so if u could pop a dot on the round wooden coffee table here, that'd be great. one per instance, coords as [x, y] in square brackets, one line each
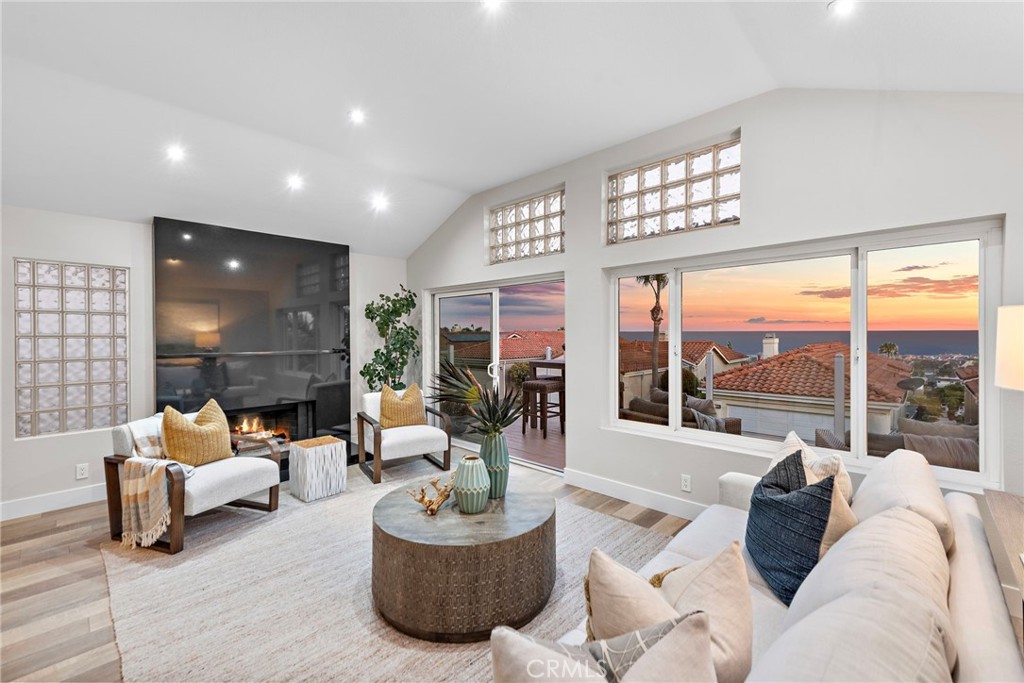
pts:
[453, 577]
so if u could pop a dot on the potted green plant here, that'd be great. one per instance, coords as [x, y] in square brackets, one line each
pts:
[490, 413]
[388, 314]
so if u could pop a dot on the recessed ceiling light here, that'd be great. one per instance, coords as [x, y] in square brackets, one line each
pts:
[357, 116]
[295, 182]
[174, 261]
[175, 153]
[186, 236]
[234, 264]
[840, 8]
[379, 202]
[493, 5]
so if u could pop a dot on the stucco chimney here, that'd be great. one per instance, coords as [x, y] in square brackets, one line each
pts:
[769, 345]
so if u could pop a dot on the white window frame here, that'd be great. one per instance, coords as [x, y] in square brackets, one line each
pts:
[989, 233]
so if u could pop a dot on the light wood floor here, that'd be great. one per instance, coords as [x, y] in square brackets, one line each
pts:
[55, 620]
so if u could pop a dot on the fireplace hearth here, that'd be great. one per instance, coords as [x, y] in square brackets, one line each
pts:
[286, 421]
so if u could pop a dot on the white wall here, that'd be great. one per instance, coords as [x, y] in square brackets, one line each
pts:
[816, 164]
[371, 277]
[39, 473]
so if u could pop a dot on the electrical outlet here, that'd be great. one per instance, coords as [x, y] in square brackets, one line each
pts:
[82, 471]
[684, 482]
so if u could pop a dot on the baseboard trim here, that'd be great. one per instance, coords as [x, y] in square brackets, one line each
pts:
[634, 494]
[47, 502]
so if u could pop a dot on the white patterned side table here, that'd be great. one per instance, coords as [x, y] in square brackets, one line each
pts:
[317, 468]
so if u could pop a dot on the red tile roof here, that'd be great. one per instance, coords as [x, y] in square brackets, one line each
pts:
[808, 371]
[517, 345]
[967, 372]
[635, 354]
[694, 351]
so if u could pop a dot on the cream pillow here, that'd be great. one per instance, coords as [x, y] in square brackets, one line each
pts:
[840, 517]
[821, 465]
[675, 651]
[718, 585]
[620, 600]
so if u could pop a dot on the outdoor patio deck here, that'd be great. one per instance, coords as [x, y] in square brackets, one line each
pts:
[532, 447]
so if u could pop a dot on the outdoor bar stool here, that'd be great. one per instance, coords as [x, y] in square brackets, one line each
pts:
[537, 403]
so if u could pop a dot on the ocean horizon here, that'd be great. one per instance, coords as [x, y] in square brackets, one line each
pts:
[912, 342]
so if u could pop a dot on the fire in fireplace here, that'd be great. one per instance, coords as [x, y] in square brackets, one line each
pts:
[287, 421]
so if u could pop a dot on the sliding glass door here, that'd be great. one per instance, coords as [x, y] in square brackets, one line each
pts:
[466, 335]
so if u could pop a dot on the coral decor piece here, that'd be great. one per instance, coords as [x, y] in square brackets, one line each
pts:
[434, 504]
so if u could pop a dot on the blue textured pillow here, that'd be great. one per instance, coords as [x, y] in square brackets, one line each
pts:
[786, 524]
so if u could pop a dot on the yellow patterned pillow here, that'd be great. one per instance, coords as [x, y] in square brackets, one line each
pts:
[401, 411]
[197, 443]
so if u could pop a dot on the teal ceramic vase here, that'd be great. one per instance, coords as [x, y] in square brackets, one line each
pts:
[472, 485]
[494, 453]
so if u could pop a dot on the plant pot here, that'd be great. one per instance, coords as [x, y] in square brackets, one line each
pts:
[472, 485]
[494, 453]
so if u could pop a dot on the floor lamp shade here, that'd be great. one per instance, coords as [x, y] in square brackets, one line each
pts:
[1010, 347]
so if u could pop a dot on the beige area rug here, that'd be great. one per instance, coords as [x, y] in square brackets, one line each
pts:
[257, 597]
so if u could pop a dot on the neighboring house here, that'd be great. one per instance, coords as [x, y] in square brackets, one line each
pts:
[516, 346]
[635, 362]
[795, 391]
[969, 376]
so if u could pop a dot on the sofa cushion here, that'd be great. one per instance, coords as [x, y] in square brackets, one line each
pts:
[880, 633]
[659, 395]
[951, 429]
[714, 529]
[822, 465]
[639, 405]
[986, 645]
[904, 479]
[718, 585]
[196, 442]
[401, 442]
[223, 481]
[675, 650]
[792, 523]
[896, 549]
[701, 405]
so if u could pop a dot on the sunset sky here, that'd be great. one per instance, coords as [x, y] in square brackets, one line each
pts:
[523, 307]
[913, 288]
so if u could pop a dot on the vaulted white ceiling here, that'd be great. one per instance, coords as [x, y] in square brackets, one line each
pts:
[458, 99]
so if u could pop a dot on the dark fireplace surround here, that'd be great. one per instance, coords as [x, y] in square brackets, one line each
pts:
[257, 322]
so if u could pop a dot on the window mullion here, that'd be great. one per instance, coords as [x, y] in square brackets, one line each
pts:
[675, 380]
[858, 353]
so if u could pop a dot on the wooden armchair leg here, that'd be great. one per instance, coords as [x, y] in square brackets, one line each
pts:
[114, 510]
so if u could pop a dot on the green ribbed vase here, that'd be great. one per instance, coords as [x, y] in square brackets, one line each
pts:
[494, 453]
[472, 485]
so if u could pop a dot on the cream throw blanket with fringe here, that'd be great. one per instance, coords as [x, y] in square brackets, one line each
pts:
[145, 504]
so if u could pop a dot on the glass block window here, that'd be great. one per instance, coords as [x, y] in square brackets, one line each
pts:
[307, 277]
[71, 347]
[533, 227]
[691, 191]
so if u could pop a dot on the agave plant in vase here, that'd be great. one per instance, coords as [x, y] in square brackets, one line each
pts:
[490, 412]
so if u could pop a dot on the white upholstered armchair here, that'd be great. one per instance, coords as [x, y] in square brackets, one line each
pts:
[223, 482]
[400, 442]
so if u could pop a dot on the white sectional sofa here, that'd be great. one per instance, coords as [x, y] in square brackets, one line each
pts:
[895, 566]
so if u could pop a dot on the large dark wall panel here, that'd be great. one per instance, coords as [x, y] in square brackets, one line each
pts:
[249, 319]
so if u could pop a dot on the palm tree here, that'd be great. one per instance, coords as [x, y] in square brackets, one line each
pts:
[657, 283]
[889, 349]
